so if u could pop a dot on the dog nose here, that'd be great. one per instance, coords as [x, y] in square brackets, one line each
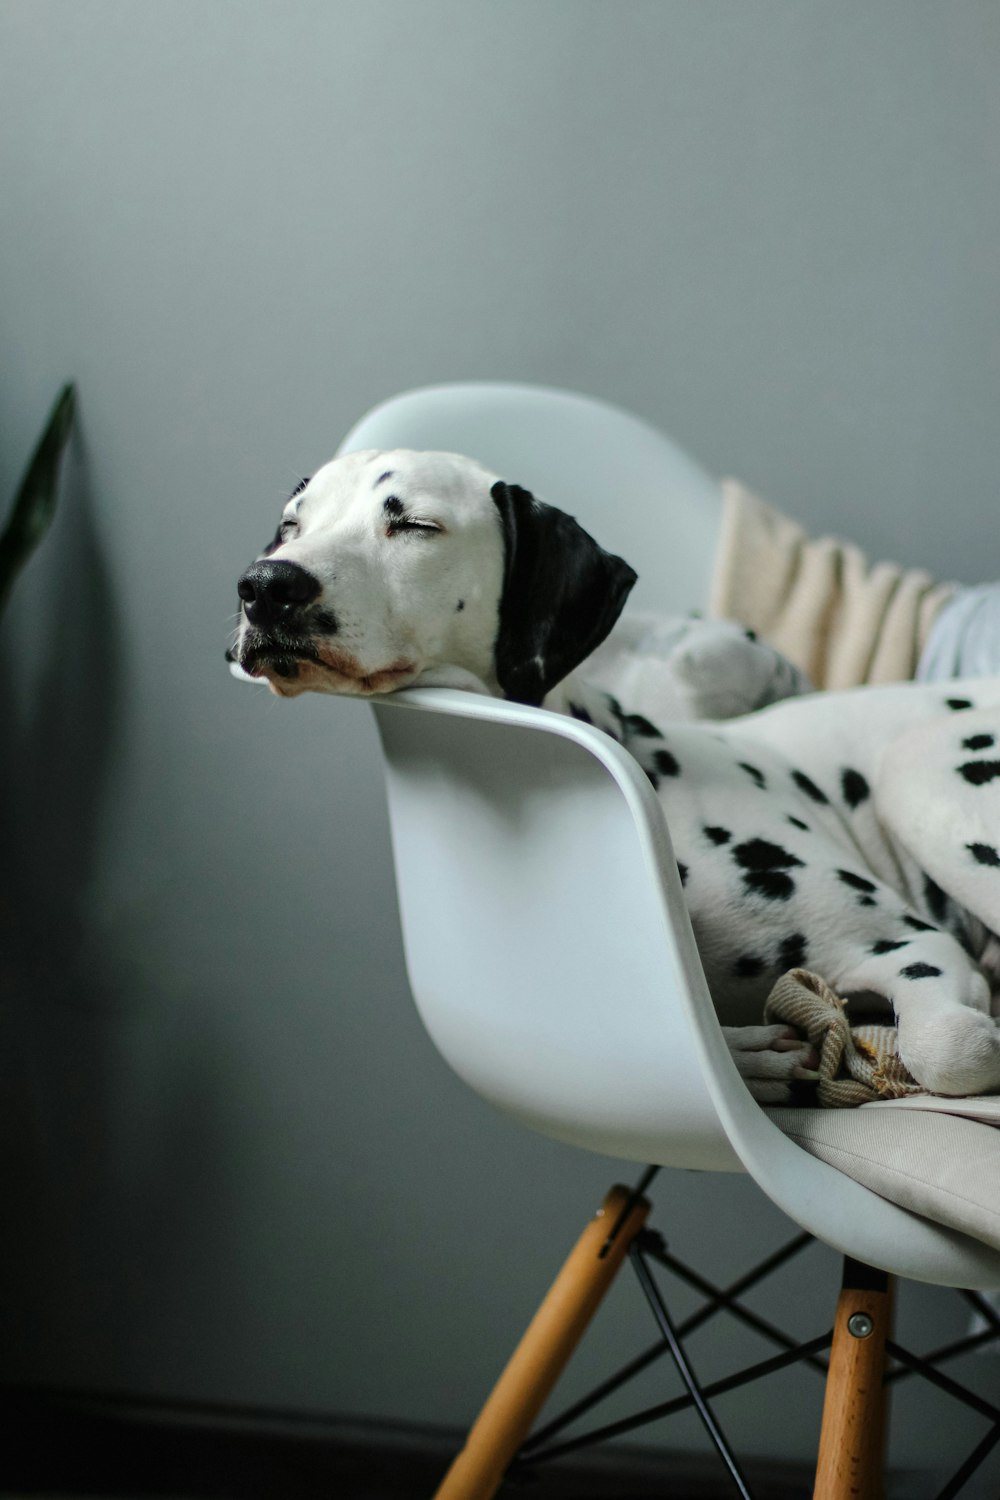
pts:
[272, 592]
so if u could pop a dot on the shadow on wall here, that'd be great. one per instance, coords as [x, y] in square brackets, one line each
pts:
[60, 675]
[60, 682]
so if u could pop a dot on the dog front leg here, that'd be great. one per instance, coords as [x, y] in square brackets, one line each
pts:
[769, 1059]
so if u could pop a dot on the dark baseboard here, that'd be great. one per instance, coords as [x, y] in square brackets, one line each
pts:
[62, 1443]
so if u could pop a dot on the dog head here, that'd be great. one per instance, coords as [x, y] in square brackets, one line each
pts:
[395, 568]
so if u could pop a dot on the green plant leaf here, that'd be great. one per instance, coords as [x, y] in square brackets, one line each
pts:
[35, 503]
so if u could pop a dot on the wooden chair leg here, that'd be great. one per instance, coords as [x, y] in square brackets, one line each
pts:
[544, 1350]
[852, 1438]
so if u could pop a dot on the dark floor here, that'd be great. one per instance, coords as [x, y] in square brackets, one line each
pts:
[60, 1446]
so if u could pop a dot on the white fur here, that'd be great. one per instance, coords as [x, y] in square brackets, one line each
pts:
[396, 597]
[849, 888]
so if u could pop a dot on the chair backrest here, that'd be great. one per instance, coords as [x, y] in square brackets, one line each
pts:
[629, 485]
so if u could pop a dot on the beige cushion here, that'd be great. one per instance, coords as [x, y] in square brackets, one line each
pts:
[840, 618]
[936, 1157]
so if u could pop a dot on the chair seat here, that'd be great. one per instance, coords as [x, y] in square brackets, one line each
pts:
[513, 820]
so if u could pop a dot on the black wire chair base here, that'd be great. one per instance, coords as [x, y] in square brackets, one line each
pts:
[648, 1249]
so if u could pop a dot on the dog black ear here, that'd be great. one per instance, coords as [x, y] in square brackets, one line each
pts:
[562, 594]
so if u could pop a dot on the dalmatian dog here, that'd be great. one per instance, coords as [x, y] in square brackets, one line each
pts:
[855, 832]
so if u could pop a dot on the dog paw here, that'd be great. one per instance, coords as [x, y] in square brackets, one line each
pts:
[956, 1052]
[770, 1059]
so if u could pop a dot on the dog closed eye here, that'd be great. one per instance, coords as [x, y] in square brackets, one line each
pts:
[405, 524]
[398, 521]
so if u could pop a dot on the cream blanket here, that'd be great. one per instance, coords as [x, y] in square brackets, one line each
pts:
[838, 617]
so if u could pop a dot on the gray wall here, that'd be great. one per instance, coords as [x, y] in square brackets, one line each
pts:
[236, 1170]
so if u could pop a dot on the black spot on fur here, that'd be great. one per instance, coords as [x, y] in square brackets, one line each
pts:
[682, 871]
[761, 854]
[636, 724]
[774, 884]
[958, 703]
[918, 925]
[633, 723]
[920, 971]
[717, 835]
[854, 787]
[984, 854]
[764, 865]
[754, 774]
[326, 620]
[751, 635]
[798, 823]
[749, 966]
[937, 901]
[459, 606]
[979, 772]
[807, 785]
[978, 742]
[856, 882]
[382, 478]
[867, 901]
[580, 713]
[665, 763]
[792, 953]
[886, 945]
[393, 506]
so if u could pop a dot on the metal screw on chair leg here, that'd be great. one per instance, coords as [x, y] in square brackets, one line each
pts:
[860, 1325]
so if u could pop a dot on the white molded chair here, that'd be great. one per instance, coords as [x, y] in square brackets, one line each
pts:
[564, 984]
